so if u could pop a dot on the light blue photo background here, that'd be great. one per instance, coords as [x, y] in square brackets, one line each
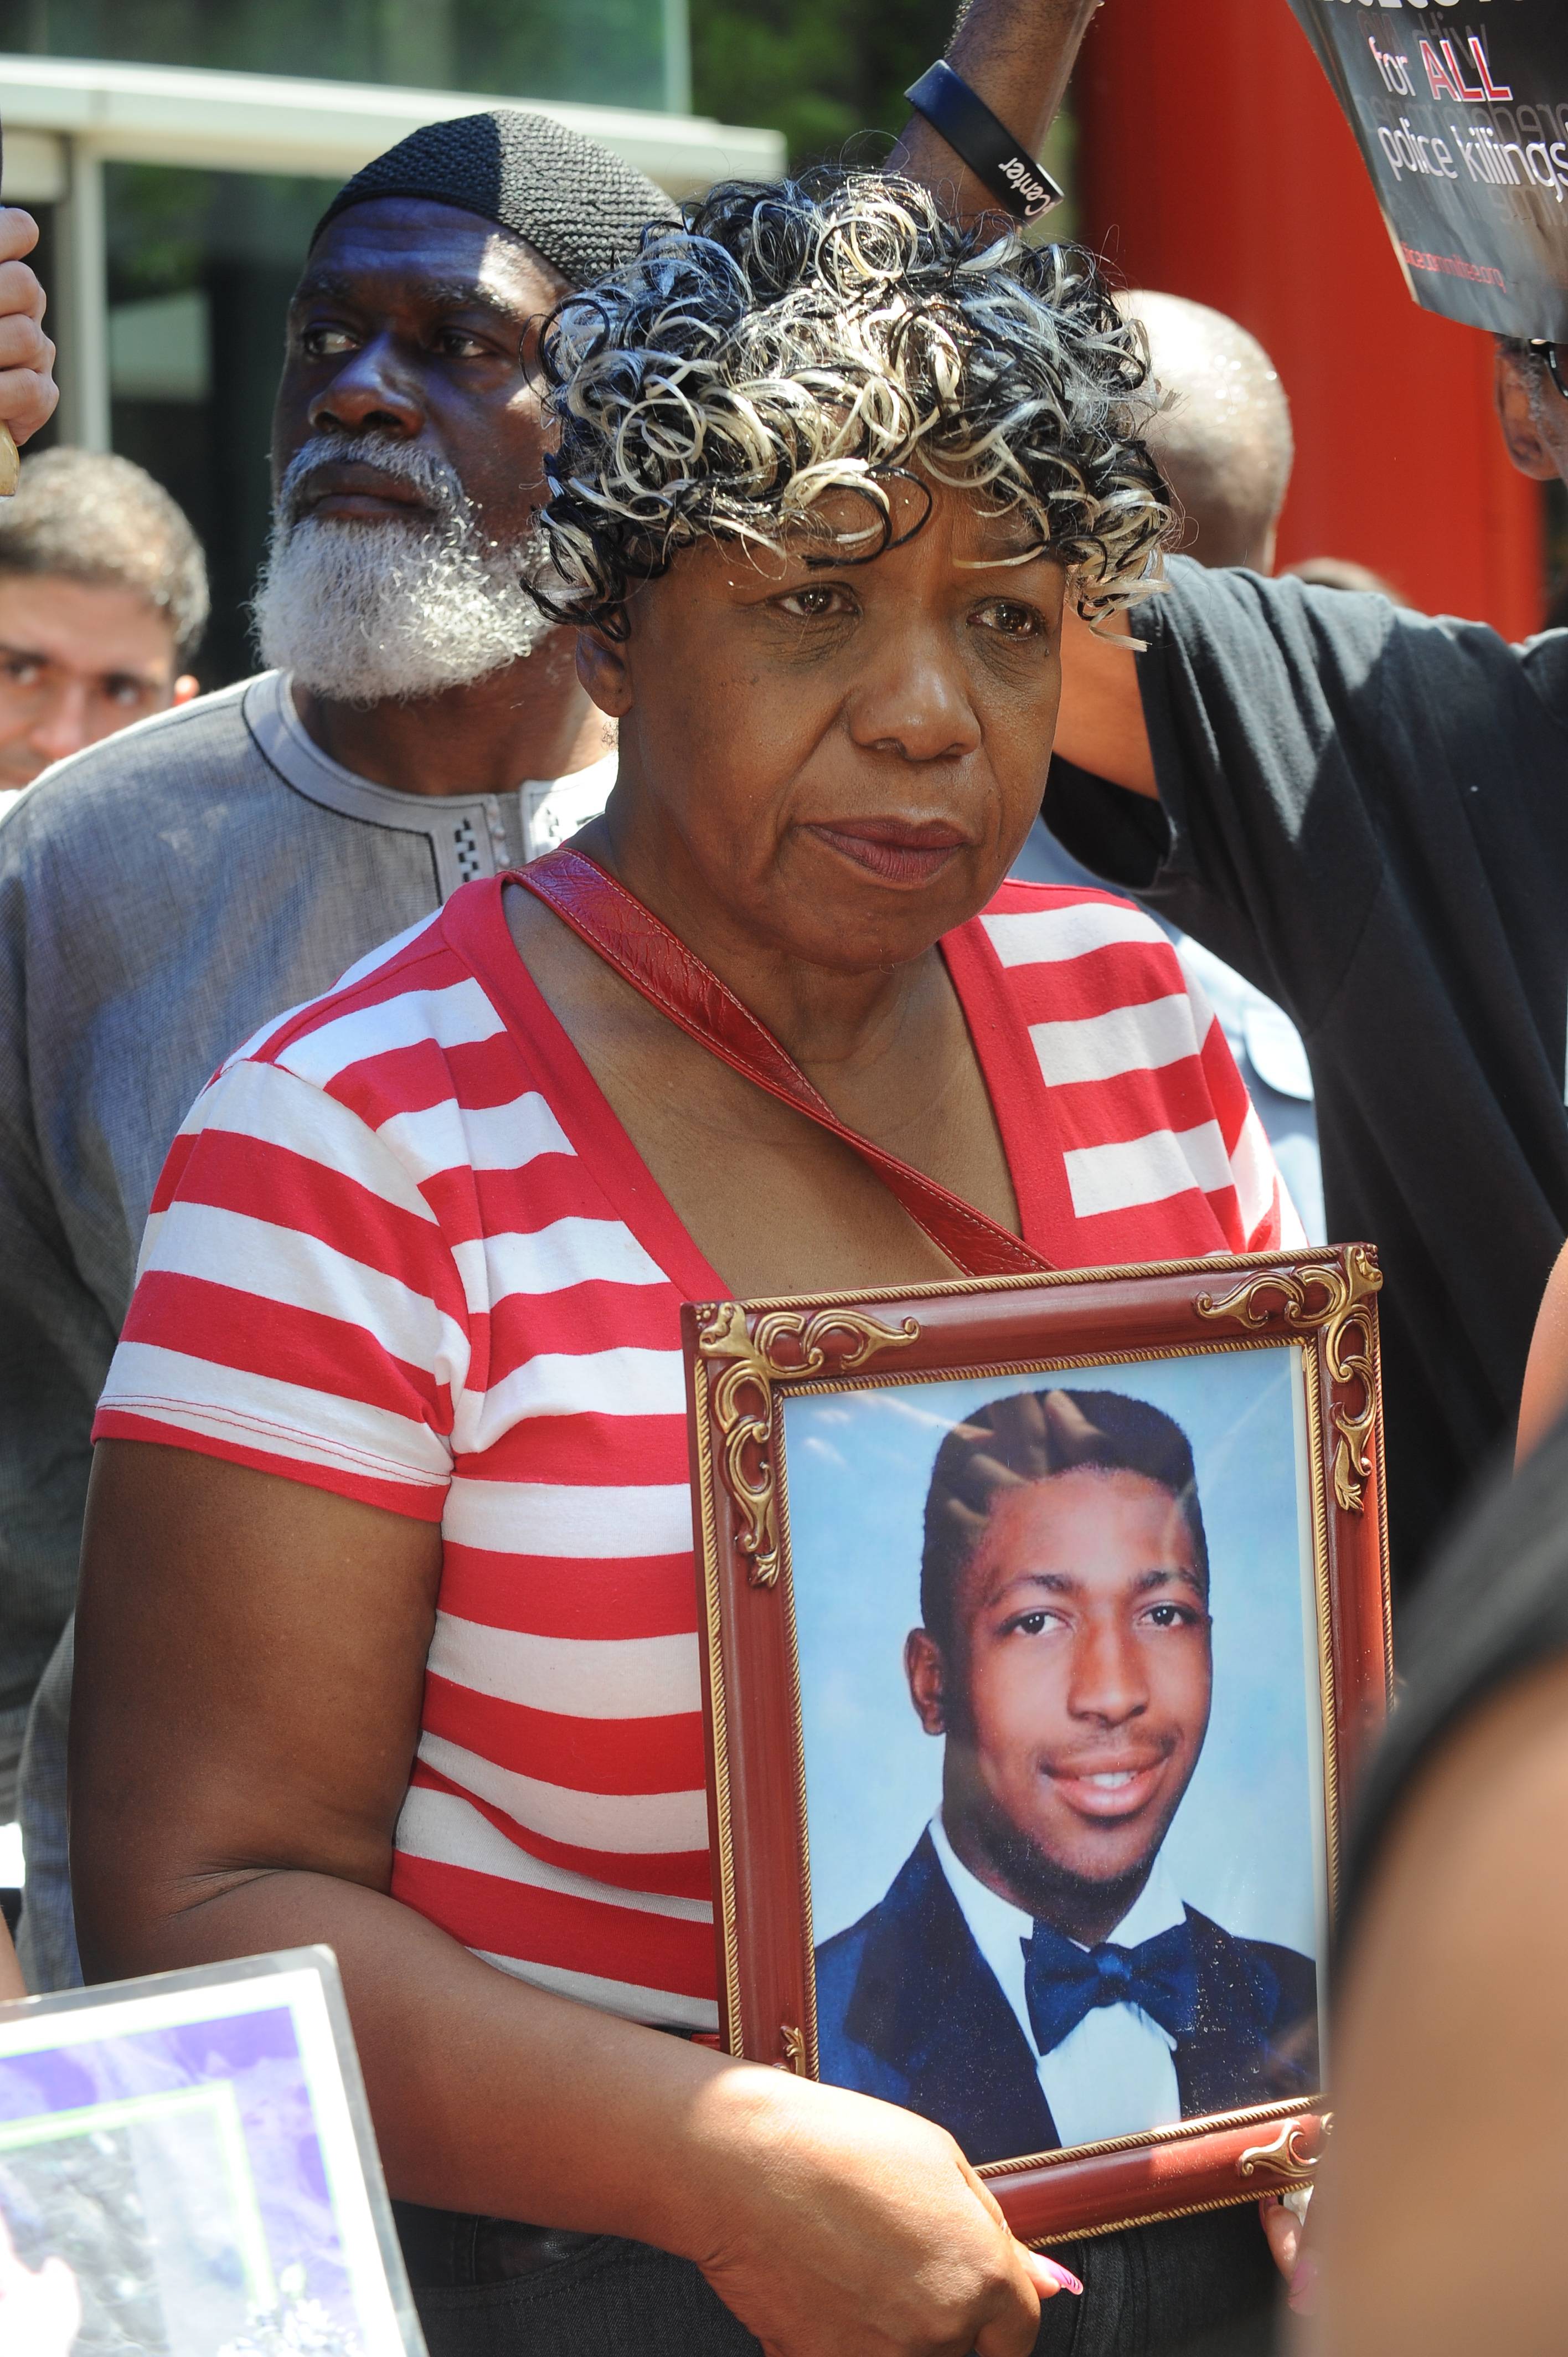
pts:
[1247, 1844]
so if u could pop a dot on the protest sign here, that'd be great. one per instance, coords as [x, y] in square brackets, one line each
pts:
[187, 2169]
[1461, 110]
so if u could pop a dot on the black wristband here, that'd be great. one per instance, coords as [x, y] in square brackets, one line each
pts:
[986, 146]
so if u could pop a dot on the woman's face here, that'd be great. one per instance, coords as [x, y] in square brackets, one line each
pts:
[844, 758]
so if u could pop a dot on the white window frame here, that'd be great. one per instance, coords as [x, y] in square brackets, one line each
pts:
[65, 119]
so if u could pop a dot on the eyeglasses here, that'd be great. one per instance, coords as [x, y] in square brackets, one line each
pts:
[1552, 356]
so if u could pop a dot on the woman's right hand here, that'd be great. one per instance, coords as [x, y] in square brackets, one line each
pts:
[836, 2226]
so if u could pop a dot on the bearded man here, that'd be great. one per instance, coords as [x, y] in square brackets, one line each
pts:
[164, 893]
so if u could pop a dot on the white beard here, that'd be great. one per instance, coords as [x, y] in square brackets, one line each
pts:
[368, 613]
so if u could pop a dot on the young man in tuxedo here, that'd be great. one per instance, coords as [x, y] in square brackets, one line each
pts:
[1033, 1979]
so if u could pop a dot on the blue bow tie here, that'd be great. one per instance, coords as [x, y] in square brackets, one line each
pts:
[1065, 1983]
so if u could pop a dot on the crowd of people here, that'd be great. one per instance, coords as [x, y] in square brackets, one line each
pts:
[783, 554]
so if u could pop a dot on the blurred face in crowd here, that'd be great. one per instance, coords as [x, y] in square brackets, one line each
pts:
[1078, 1703]
[407, 450]
[78, 660]
[1535, 416]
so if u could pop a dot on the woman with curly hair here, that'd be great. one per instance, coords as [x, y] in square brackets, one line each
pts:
[387, 1630]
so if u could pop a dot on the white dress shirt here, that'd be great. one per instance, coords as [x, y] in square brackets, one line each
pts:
[554, 810]
[1113, 2075]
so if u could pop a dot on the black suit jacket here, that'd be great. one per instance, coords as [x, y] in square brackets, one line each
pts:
[908, 2010]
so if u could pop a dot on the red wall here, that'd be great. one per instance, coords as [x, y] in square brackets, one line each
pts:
[1214, 162]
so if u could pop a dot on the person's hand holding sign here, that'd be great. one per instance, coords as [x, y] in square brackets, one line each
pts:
[28, 390]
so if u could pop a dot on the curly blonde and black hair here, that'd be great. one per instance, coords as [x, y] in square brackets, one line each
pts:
[838, 334]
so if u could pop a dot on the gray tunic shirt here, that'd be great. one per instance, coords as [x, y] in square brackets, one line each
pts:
[161, 896]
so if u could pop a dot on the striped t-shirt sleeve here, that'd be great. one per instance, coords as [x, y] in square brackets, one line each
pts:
[298, 1308]
[1264, 1218]
[1163, 1153]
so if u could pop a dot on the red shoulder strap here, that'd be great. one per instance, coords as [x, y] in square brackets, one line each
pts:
[657, 962]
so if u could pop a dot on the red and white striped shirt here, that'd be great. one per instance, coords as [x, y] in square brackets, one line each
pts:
[402, 1249]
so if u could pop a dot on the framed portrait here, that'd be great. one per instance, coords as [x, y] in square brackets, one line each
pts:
[186, 2166]
[1044, 1622]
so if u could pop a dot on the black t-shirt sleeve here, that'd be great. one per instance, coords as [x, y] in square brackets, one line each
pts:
[1291, 728]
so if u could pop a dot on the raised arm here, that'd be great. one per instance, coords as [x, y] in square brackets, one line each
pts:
[1100, 722]
[1016, 55]
[28, 389]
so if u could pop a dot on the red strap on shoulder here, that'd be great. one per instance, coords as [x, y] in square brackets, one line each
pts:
[657, 962]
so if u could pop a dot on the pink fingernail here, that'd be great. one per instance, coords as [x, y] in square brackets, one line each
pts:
[1304, 2286]
[1067, 2281]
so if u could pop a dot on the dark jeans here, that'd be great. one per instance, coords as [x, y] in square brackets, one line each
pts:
[1198, 2287]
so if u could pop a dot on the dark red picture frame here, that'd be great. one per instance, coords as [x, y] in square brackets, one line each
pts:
[743, 1360]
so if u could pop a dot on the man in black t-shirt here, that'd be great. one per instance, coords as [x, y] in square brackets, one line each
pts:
[1366, 813]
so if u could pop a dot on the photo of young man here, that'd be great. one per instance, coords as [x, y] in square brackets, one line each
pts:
[1033, 1979]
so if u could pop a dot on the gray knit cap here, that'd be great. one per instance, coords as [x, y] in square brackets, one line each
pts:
[576, 203]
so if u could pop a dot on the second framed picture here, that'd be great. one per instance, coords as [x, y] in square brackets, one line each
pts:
[1044, 1619]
